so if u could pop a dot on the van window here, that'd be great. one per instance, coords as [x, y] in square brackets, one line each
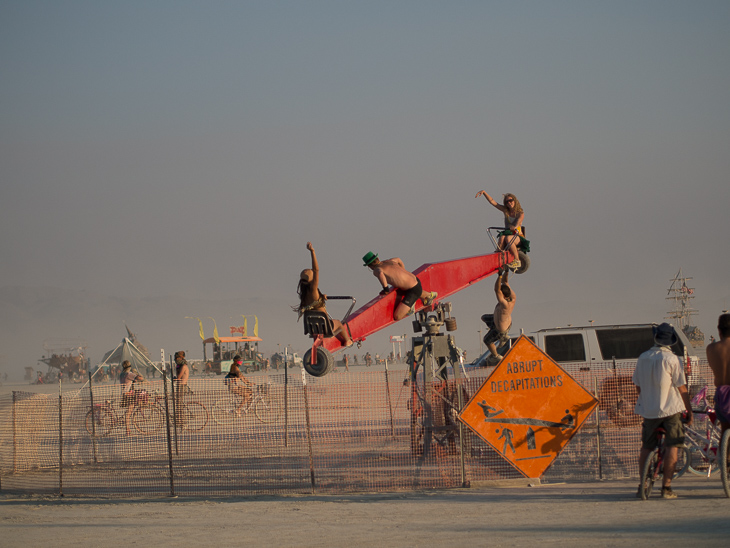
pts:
[624, 344]
[565, 348]
[629, 343]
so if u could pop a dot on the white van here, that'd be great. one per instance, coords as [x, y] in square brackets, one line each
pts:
[592, 346]
[609, 353]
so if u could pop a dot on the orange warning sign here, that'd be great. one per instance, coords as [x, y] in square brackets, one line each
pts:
[528, 408]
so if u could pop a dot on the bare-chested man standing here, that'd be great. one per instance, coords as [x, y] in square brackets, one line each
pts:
[500, 322]
[393, 272]
[718, 356]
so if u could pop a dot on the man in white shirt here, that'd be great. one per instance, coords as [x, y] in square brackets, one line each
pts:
[663, 396]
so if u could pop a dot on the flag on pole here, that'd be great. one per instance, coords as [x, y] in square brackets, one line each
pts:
[256, 326]
[215, 332]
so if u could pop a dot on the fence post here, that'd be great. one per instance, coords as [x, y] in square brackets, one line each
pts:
[15, 434]
[464, 482]
[390, 403]
[309, 433]
[60, 439]
[174, 405]
[598, 430]
[93, 419]
[169, 440]
[286, 400]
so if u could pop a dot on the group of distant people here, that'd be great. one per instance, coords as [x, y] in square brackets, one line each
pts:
[236, 382]
[129, 378]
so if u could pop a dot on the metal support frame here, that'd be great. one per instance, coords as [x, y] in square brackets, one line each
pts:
[436, 404]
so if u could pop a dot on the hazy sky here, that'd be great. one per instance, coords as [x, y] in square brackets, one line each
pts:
[191, 149]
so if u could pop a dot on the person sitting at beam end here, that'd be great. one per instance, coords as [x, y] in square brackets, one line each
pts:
[513, 217]
[311, 298]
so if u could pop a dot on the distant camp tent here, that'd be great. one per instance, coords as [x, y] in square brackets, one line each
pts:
[132, 337]
[126, 350]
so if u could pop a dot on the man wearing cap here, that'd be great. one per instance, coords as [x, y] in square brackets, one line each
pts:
[182, 373]
[393, 272]
[663, 396]
[718, 357]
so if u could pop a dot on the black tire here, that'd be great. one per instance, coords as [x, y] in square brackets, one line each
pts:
[649, 474]
[525, 260]
[723, 456]
[323, 365]
[148, 419]
[267, 409]
[194, 416]
[224, 411]
[102, 425]
[617, 397]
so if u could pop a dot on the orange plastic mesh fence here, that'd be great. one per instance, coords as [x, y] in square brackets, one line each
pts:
[345, 432]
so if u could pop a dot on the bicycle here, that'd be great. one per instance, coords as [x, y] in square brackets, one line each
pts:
[654, 465]
[265, 407]
[704, 448]
[146, 418]
[192, 415]
[189, 414]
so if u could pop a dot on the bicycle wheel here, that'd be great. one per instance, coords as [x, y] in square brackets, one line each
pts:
[698, 463]
[224, 411]
[267, 409]
[649, 474]
[99, 422]
[148, 419]
[195, 416]
[724, 471]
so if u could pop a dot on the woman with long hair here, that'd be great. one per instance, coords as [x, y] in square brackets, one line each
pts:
[311, 298]
[513, 217]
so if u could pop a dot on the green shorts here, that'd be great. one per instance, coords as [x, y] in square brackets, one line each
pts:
[673, 427]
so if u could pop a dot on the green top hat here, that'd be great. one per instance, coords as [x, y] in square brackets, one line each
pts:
[369, 258]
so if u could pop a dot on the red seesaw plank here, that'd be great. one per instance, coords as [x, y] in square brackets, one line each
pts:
[446, 278]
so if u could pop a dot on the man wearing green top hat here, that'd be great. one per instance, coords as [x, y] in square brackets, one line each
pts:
[393, 272]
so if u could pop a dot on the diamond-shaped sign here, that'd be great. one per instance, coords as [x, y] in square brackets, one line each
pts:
[528, 409]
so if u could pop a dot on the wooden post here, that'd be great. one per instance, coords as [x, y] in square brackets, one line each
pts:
[390, 403]
[60, 439]
[93, 419]
[309, 432]
[169, 437]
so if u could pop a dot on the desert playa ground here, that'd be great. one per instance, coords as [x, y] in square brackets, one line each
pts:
[508, 514]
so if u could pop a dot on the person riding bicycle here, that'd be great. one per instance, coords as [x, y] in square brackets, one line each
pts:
[238, 384]
[663, 396]
[127, 378]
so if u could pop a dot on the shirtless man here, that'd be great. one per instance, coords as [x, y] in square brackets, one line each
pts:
[181, 377]
[718, 356]
[127, 378]
[393, 272]
[500, 322]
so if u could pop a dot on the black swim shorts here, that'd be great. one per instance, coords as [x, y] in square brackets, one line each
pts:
[413, 294]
